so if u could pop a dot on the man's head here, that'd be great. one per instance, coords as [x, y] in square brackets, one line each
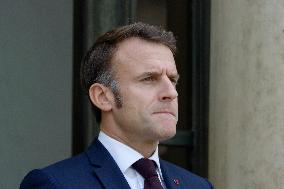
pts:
[97, 67]
[130, 75]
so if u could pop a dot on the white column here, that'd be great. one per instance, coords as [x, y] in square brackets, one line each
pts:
[246, 141]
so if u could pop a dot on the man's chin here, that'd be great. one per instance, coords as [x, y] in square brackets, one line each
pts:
[167, 124]
[168, 135]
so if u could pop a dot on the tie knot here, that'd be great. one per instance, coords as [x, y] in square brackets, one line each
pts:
[145, 167]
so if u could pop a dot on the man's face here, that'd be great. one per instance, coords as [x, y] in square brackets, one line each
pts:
[146, 75]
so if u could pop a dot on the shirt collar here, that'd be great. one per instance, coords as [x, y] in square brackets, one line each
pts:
[124, 155]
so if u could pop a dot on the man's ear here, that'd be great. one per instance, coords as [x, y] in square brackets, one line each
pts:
[99, 96]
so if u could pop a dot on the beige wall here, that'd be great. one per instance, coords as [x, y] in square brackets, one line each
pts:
[246, 149]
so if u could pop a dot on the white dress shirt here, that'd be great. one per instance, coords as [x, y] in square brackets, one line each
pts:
[125, 156]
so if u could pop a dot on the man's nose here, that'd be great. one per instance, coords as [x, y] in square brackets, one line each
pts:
[168, 90]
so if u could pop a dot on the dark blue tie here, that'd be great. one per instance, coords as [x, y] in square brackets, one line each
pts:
[147, 169]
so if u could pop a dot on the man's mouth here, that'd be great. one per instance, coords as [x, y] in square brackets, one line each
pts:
[166, 113]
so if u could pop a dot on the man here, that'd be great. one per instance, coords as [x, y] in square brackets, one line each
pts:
[130, 76]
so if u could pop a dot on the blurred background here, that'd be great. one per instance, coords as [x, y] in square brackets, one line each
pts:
[230, 58]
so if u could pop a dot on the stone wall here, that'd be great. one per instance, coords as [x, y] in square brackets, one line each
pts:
[246, 141]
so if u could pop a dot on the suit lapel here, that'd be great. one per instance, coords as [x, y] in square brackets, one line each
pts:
[171, 180]
[105, 167]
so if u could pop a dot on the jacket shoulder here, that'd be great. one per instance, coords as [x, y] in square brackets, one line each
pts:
[39, 180]
[64, 174]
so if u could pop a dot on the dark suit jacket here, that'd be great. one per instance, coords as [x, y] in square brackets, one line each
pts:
[96, 169]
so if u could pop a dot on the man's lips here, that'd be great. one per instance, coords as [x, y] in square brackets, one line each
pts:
[169, 113]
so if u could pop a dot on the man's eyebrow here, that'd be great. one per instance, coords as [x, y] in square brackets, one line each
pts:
[150, 73]
[174, 76]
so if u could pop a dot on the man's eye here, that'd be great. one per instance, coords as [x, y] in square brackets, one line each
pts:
[174, 82]
[148, 79]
